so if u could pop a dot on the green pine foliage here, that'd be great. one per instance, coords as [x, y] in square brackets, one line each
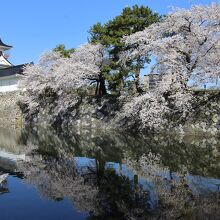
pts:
[131, 20]
[63, 51]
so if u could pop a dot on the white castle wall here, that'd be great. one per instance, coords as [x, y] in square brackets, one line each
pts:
[8, 84]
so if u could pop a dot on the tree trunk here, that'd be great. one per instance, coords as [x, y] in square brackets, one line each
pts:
[97, 88]
[121, 86]
[137, 83]
[102, 87]
[137, 77]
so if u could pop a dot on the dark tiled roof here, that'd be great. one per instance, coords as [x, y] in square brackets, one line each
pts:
[12, 70]
[4, 45]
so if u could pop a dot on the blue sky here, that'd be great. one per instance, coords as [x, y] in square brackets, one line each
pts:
[35, 26]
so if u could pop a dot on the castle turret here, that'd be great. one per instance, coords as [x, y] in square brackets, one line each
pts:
[4, 63]
[9, 74]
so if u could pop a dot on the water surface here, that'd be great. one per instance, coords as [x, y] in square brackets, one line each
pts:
[107, 175]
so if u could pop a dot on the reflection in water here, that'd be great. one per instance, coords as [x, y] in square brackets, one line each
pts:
[116, 176]
[3, 185]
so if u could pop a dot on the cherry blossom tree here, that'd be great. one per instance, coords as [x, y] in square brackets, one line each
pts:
[59, 83]
[61, 74]
[186, 47]
[186, 44]
[155, 111]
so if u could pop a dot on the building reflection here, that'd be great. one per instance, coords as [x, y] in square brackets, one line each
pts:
[4, 186]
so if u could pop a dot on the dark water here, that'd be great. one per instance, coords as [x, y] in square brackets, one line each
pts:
[106, 175]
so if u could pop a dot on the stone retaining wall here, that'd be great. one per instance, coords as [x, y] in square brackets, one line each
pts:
[10, 115]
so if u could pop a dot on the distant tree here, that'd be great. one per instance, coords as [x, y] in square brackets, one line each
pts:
[66, 53]
[131, 20]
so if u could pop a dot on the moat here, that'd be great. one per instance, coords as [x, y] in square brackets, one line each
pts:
[107, 175]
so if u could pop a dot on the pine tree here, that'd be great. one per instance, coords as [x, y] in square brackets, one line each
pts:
[131, 20]
[63, 51]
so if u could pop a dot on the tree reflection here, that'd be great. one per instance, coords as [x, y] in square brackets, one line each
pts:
[97, 187]
[178, 196]
[94, 188]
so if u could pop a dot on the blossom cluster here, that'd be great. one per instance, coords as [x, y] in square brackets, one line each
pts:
[186, 48]
[61, 73]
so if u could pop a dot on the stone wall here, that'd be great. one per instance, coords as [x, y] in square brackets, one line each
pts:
[10, 115]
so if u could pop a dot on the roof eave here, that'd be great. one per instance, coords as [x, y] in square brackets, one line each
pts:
[4, 46]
